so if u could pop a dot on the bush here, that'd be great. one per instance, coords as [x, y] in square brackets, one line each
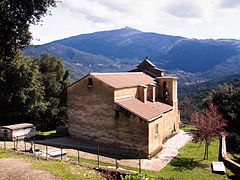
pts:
[233, 143]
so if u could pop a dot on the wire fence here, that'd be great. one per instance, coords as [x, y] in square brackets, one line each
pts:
[67, 148]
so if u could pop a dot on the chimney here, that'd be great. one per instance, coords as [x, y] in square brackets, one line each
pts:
[142, 93]
[151, 92]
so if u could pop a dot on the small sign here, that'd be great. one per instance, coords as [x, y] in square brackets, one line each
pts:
[218, 167]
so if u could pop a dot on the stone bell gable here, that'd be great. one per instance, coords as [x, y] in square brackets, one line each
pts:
[149, 68]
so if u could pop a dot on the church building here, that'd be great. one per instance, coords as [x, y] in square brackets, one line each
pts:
[136, 110]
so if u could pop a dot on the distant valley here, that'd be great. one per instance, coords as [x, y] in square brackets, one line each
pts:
[192, 60]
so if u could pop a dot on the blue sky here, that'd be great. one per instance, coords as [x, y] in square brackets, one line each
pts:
[199, 19]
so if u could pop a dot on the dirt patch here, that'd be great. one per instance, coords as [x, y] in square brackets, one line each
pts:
[20, 169]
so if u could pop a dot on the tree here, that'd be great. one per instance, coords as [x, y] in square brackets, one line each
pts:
[210, 125]
[21, 91]
[227, 99]
[187, 107]
[55, 81]
[15, 18]
[34, 91]
[31, 90]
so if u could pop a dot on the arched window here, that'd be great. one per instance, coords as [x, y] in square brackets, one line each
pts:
[165, 91]
[156, 129]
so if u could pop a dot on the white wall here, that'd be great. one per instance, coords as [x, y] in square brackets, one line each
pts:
[25, 132]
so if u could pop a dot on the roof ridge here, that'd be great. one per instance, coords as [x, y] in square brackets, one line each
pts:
[116, 73]
[124, 98]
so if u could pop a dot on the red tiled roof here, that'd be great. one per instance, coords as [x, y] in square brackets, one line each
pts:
[126, 79]
[148, 111]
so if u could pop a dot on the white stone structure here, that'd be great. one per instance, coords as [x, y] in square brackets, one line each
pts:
[17, 131]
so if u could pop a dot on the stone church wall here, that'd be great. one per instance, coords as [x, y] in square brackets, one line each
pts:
[92, 115]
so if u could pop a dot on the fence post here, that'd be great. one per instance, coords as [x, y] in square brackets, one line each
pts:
[140, 163]
[61, 151]
[34, 146]
[25, 146]
[98, 155]
[46, 148]
[14, 144]
[78, 151]
[4, 142]
[116, 156]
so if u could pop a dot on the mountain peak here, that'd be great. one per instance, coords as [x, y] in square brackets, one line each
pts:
[128, 29]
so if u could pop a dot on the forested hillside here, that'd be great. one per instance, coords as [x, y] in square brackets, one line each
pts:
[192, 97]
[122, 49]
[187, 89]
[81, 62]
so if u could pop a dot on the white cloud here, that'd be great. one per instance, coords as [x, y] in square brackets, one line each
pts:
[189, 18]
[184, 9]
[127, 12]
[231, 4]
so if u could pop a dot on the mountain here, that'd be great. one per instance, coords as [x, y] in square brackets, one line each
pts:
[189, 89]
[78, 61]
[199, 55]
[122, 49]
[122, 43]
[227, 67]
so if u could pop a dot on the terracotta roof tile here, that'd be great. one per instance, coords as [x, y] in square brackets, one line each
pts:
[148, 111]
[121, 80]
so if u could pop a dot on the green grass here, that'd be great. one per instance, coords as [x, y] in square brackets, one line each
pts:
[189, 164]
[101, 163]
[46, 133]
[65, 170]
[234, 157]
[189, 128]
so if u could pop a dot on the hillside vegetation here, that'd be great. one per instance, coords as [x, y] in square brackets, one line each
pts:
[122, 49]
[192, 96]
[187, 89]
[80, 62]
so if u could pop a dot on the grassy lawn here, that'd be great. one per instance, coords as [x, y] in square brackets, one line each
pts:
[46, 133]
[189, 128]
[189, 164]
[64, 170]
[234, 157]
[101, 163]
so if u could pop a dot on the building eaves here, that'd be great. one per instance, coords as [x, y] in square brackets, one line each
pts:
[148, 112]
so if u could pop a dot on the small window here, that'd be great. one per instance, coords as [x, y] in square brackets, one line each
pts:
[156, 129]
[116, 114]
[90, 82]
[5, 132]
[164, 84]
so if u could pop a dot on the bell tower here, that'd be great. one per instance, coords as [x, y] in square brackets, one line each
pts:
[166, 90]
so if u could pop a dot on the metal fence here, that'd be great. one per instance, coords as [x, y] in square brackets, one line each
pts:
[82, 152]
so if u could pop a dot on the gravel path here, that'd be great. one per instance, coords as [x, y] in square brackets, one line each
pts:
[169, 151]
[20, 169]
